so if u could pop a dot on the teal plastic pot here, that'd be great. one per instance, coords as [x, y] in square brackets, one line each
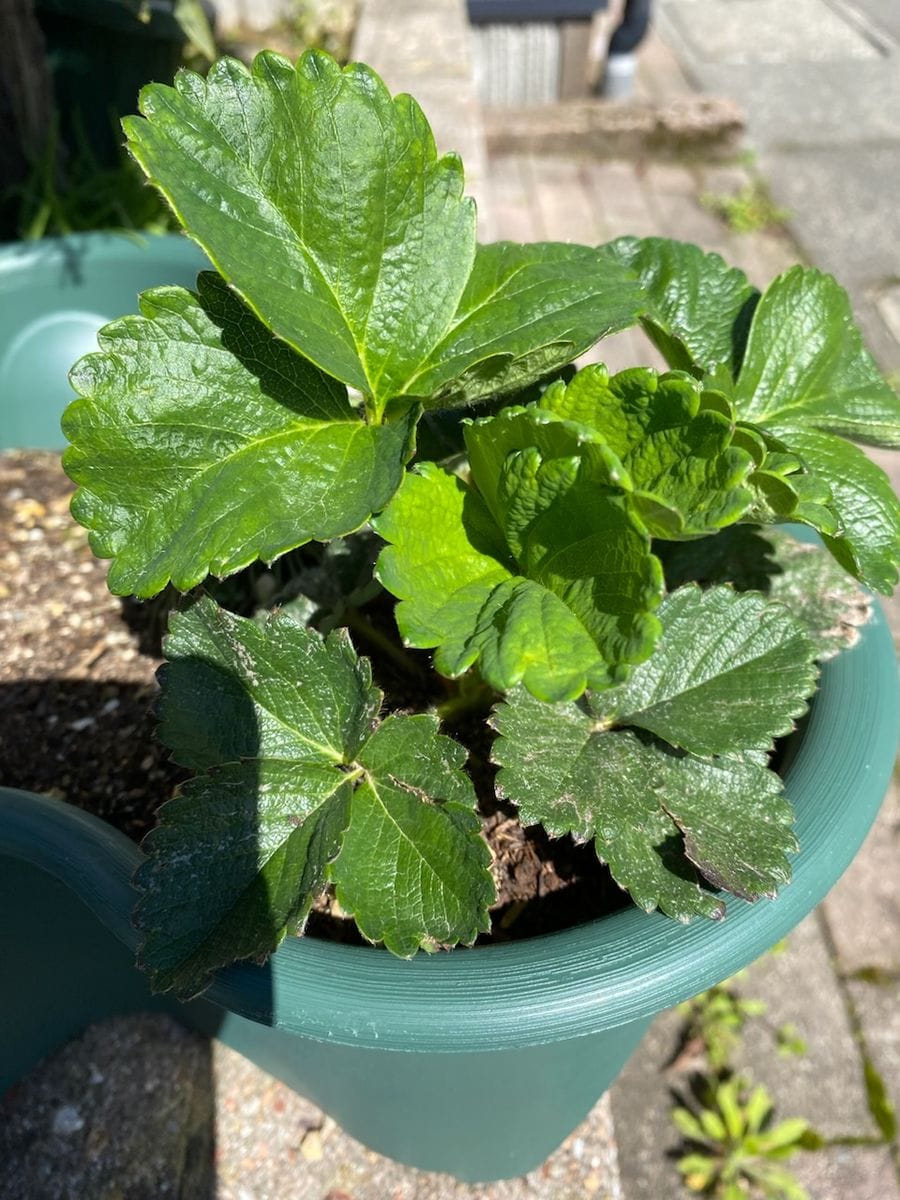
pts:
[477, 1062]
[54, 296]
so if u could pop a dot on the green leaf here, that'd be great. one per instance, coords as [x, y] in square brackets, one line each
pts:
[806, 365]
[698, 307]
[447, 564]
[195, 26]
[322, 200]
[730, 673]
[298, 775]
[414, 873]
[785, 1133]
[201, 443]
[526, 312]
[564, 772]
[759, 1105]
[543, 576]
[687, 1124]
[675, 448]
[729, 1102]
[653, 812]
[818, 592]
[864, 501]
[784, 491]
[815, 589]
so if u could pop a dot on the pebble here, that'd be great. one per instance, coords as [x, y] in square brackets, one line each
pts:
[311, 1146]
[82, 724]
[67, 1120]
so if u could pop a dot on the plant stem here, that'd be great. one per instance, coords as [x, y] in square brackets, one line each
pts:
[363, 626]
[472, 695]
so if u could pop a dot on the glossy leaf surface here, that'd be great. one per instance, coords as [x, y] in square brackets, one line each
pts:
[698, 307]
[806, 365]
[676, 447]
[201, 443]
[323, 201]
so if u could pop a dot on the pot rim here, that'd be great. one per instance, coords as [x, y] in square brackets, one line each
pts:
[71, 253]
[574, 983]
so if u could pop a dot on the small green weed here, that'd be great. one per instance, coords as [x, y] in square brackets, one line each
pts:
[750, 210]
[716, 1018]
[735, 1151]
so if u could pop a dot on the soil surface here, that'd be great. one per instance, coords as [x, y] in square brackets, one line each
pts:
[77, 691]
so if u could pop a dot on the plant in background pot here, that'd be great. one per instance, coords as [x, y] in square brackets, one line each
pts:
[615, 621]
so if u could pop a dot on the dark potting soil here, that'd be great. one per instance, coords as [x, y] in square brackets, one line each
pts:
[77, 691]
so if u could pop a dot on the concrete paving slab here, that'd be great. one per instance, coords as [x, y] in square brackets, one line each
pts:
[824, 1085]
[880, 17]
[803, 104]
[852, 235]
[863, 909]
[759, 31]
[842, 1172]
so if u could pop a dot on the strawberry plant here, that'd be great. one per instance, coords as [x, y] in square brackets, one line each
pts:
[591, 558]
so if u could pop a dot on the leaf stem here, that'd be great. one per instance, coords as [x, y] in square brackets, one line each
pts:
[362, 625]
[472, 695]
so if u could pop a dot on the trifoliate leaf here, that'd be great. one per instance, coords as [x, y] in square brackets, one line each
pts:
[458, 591]
[654, 814]
[527, 311]
[868, 545]
[283, 723]
[201, 443]
[731, 672]
[805, 365]
[544, 575]
[698, 307]
[322, 200]
[677, 449]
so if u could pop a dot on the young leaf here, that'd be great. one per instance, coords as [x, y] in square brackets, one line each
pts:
[447, 564]
[698, 307]
[676, 450]
[806, 366]
[201, 443]
[730, 673]
[281, 722]
[543, 576]
[322, 200]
